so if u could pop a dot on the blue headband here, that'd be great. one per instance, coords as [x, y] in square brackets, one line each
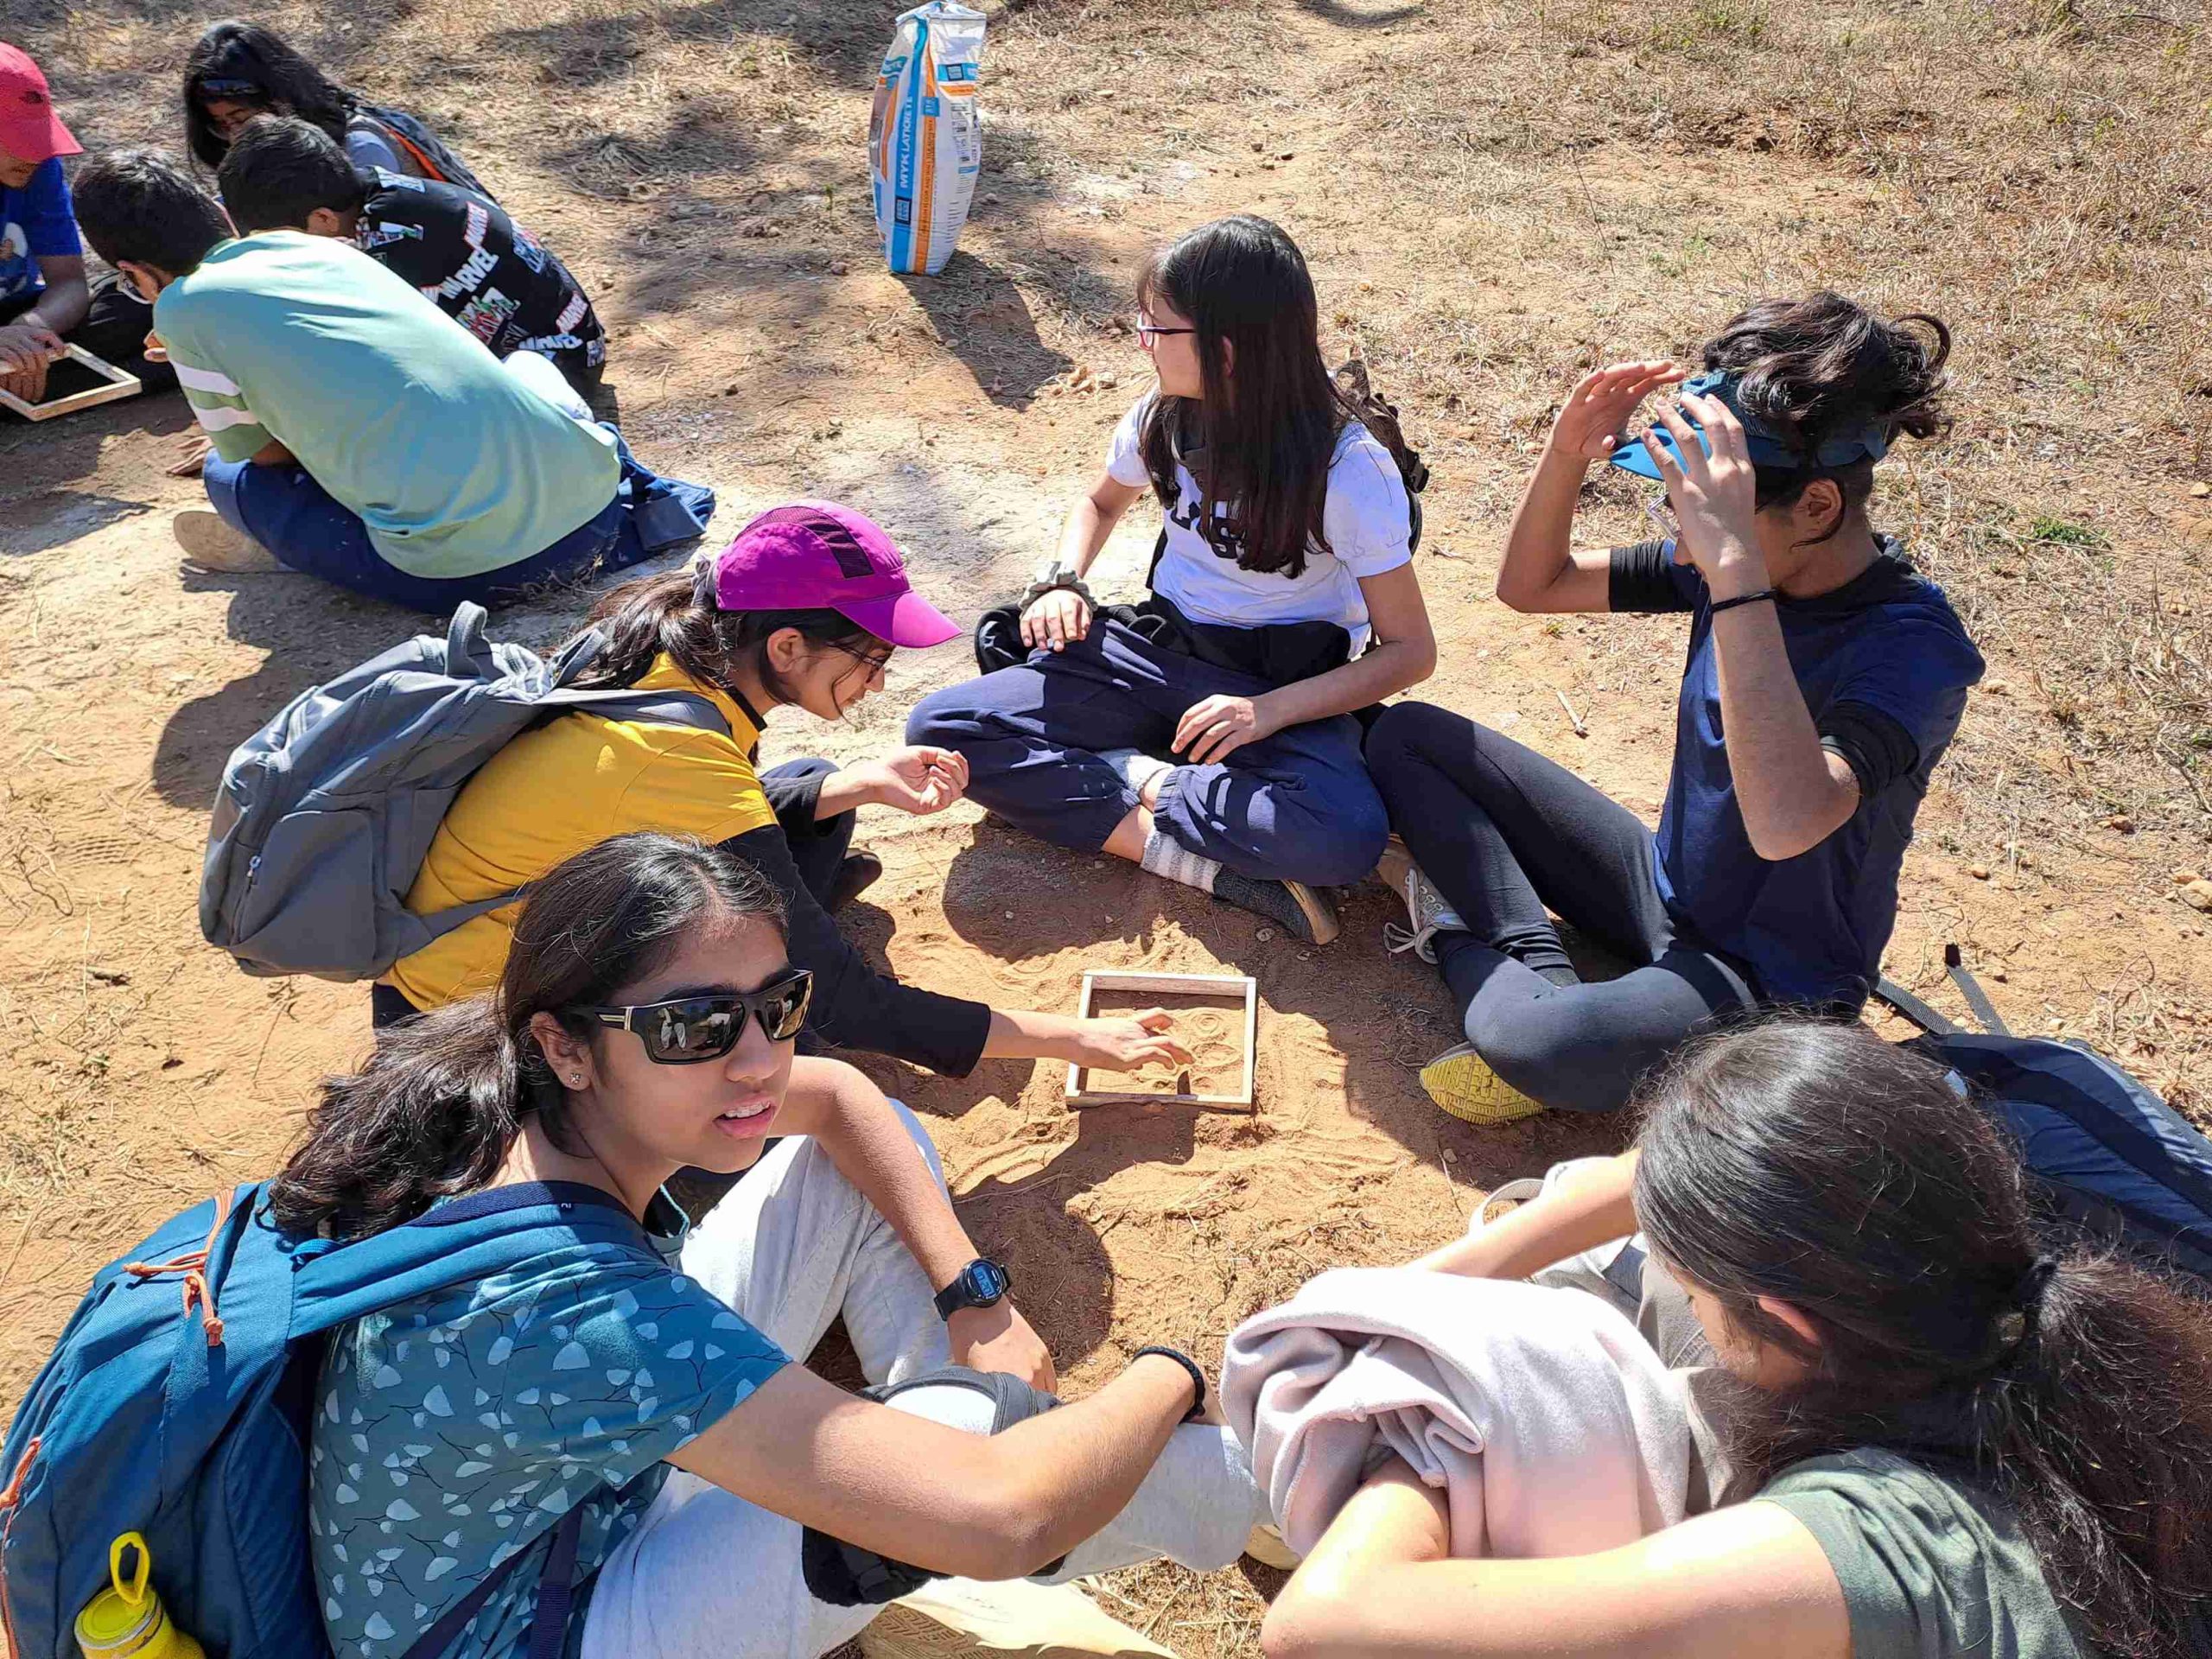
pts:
[1870, 442]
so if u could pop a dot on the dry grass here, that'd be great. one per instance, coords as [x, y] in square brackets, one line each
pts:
[1494, 197]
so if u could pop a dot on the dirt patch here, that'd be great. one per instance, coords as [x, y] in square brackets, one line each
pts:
[1492, 199]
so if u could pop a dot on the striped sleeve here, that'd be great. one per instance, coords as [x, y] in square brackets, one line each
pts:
[224, 414]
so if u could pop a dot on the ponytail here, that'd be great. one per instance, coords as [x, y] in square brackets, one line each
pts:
[436, 1108]
[430, 1115]
[1822, 1167]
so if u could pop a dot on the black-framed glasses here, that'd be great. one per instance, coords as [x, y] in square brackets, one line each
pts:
[1150, 332]
[877, 661]
[690, 1030]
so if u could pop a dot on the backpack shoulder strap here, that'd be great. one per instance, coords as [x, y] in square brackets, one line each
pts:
[557, 1595]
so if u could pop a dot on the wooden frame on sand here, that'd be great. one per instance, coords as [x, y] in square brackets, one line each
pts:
[121, 384]
[1226, 986]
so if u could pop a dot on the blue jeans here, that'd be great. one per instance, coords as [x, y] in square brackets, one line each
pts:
[296, 519]
[1297, 806]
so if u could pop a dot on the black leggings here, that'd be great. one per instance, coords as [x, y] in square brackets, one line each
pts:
[1503, 832]
[818, 853]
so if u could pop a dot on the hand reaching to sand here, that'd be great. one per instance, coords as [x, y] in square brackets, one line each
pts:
[1127, 1041]
[998, 1339]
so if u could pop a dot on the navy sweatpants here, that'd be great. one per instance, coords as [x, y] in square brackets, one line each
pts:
[1297, 806]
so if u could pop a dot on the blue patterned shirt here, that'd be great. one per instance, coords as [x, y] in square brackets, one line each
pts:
[455, 1429]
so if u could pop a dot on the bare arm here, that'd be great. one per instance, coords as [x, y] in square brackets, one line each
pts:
[1054, 618]
[982, 1506]
[68, 296]
[1590, 1208]
[1542, 571]
[1744, 1583]
[29, 342]
[1120, 1044]
[1404, 655]
[855, 1125]
[1792, 792]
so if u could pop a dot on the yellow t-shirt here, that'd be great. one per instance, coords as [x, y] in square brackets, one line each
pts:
[554, 791]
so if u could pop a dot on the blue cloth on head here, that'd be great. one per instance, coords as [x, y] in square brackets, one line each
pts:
[1869, 442]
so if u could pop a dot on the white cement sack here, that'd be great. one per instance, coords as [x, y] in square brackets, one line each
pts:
[925, 141]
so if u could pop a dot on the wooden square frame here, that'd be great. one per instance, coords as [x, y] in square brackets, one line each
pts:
[1225, 986]
[121, 384]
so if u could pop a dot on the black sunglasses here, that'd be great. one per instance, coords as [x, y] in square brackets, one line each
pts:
[690, 1030]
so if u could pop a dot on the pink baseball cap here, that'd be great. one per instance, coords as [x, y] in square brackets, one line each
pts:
[30, 130]
[817, 556]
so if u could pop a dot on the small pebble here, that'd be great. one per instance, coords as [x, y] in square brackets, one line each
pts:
[1009, 915]
[1264, 935]
[1979, 872]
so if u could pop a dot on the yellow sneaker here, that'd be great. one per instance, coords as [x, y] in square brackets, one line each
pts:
[1461, 1082]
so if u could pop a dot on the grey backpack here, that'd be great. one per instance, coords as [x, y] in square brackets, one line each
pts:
[325, 814]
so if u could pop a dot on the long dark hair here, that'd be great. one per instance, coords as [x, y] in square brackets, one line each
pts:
[1820, 1165]
[1826, 367]
[1267, 426]
[675, 616]
[437, 1105]
[231, 50]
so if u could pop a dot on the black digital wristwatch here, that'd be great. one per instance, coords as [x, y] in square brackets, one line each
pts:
[981, 1283]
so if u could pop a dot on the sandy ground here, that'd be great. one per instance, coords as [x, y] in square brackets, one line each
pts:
[700, 167]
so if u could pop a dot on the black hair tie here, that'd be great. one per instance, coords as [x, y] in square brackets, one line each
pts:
[2024, 1308]
[2027, 1292]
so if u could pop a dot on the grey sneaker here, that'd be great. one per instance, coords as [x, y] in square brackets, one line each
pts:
[1426, 908]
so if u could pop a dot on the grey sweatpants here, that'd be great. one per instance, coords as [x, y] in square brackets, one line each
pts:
[706, 1575]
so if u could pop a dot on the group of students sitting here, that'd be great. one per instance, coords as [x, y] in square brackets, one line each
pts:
[1927, 1426]
[391, 374]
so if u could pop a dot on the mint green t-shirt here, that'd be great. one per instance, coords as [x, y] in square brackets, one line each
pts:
[1930, 1568]
[455, 467]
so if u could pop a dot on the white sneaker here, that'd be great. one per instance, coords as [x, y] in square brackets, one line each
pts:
[208, 541]
[1425, 907]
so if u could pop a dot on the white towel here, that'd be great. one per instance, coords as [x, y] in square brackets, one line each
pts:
[1546, 1419]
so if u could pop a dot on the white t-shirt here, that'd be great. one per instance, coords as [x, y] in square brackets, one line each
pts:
[1366, 518]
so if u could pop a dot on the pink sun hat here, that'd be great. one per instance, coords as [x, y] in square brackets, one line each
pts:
[818, 556]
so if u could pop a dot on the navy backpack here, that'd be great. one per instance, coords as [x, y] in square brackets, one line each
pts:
[2112, 1160]
[176, 1404]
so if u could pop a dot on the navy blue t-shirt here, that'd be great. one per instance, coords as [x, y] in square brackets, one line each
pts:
[1884, 665]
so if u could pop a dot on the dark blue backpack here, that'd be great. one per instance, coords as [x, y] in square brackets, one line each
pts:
[176, 1405]
[2112, 1160]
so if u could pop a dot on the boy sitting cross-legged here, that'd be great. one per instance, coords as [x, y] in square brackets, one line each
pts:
[465, 255]
[359, 434]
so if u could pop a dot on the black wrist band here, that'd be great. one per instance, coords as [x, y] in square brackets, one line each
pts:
[1197, 1377]
[1720, 605]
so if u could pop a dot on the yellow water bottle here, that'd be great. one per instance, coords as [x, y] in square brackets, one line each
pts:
[127, 1620]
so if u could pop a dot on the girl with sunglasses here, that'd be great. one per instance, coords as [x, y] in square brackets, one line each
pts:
[237, 71]
[1942, 1433]
[1824, 681]
[803, 609]
[1209, 735]
[644, 1020]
